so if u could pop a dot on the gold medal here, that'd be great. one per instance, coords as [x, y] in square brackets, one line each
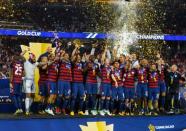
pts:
[129, 75]
[142, 78]
[119, 78]
[69, 71]
[171, 81]
[94, 73]
[107, 75]
[154, 79]
[108, 72]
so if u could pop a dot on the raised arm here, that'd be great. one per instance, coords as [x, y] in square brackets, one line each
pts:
[11, 77]
[103, 56]
[108, 54]
[114, 79]
[93, 49]
[62, 52]
[22, 55]
[74, 52]
[114, 53]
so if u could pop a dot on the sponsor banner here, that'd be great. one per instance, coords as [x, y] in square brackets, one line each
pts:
[4, 92]
[4, 89]
[84, 35]
[11, 32]
[28, 33]
[87, 35]
[141, 123]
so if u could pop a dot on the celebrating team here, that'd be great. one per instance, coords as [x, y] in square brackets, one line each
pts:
[83, 83]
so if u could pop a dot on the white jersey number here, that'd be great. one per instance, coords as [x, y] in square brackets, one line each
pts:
[18, 70]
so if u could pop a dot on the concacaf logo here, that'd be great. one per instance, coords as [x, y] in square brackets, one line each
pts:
[97, 126]
[158, 127]
[151, 127]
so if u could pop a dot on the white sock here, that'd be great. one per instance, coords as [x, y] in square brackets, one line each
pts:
[27, 104]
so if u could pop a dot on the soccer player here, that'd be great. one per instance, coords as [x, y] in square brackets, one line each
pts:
[117, 88]
[153, 89]
[52, 82]
[173, 91]
[162, 85]
[64, 79]
[43, 91]
[142, 87]
[16, 81]
[91, 86]
[129, 79]
[29, 85]
[77, 85]
[105, 84]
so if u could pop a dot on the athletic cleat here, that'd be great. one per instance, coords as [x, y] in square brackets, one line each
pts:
[63, 112]
[72, 113]
[121, 113]
[131, 113]
[107, 112]
[127, 114]
[93, 112]
[102, 113]
[140, 113]
[86, 113]
[58, 111]
[80, 113]
[177, 111]
[47, 110]
[17, 112]
[155, 113]
[113, 114]
[162, 109]
[20, 111]
[50, 112]
[149, 114]
[42, 112]
[171, 111]
[27, 113]
[146, 113]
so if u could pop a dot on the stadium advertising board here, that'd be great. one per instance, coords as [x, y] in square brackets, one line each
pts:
[141, 123]
[87, 35]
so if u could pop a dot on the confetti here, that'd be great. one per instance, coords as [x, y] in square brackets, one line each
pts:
[121, 19]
